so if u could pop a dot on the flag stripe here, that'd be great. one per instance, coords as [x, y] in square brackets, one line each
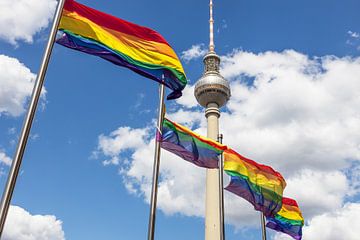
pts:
[289, 220]
[288, 202]
[131, 40]
[265, 201]
[295, 231]
[111, 22]
[290, 213]
[259, 184]
[254, 165]
[253, 174]
[190, 146]
[258, 173]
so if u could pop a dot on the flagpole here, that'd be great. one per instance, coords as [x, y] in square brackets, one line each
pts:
[25, 132]
[263, 228]
[151, 228]
[221, 192]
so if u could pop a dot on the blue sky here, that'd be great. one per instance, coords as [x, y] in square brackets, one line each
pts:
[294, 69]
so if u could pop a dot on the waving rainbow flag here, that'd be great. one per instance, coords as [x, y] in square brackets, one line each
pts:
[190, 146]
[259, 184]
[288, 220]
[123, 43]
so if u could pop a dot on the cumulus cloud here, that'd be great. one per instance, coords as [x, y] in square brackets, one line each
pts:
[4, 158]
[340, 224]
[317, 192]
[293, 112]
[22, 19]
[287, 110]
[188, 100]
[118, 141]
[353, 39]
[16, 81]
[196, 51]
[353, 34]
[20, 225]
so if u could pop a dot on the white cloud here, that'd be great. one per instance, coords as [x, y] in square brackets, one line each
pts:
[119, 141]
[21, 225]
[354, 39]
[22, 19]
[295, 113]
[342, 223]
[353, 34]
[34, 136]
[188, 100]
[196, 51]
[330, 189]
[16, 81]
[4, 158]
[188, 118]
[223, 25]
[12, 131]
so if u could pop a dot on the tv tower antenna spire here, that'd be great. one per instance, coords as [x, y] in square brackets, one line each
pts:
[211, 23]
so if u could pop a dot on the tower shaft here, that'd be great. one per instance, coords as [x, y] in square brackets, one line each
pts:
[212, 204]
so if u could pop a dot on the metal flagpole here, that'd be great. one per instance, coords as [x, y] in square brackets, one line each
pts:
[221, 192]
[15, 166]
[151, 229]
[263, 226]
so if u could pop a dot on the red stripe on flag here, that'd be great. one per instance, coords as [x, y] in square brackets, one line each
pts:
[109, 21]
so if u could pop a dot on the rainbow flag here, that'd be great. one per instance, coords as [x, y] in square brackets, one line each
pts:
[190, 146]
[138, 48]
[259, 184]
[288, 220]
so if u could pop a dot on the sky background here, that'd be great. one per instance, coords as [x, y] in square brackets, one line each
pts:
[294, 70]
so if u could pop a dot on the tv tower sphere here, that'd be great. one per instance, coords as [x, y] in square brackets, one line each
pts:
[212, 87]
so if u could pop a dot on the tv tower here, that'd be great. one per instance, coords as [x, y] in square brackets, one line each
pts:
[212, 91]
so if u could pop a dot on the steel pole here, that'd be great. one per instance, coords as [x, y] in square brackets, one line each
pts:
[25, 132]
[152, 217]
[221, 192]
[263, 228]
